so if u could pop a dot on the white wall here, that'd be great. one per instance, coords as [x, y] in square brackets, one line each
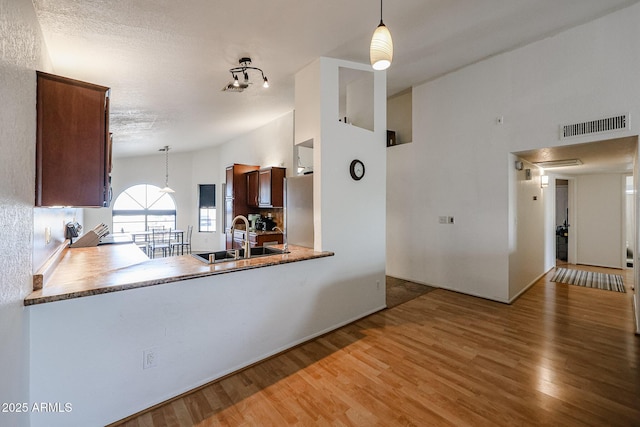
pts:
[531, 236]
[636, 258]
[22, 51]
[88, 351]
[131, 171]
[270, 145]
[399, 116]
[205, 328]
[458, 164]
[600, 219]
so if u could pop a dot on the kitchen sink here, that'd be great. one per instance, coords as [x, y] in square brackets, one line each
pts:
[236, 254]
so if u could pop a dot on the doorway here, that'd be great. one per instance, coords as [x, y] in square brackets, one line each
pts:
[562, 221]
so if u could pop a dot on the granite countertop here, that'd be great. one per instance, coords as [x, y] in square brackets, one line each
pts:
[258, 232]
[111, 268]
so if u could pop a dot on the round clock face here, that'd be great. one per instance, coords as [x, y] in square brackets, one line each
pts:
[356, 169]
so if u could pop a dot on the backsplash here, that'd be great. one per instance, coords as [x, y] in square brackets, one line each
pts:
[50, 223]
[276, 213]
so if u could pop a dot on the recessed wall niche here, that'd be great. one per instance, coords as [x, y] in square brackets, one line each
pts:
[399, 116]
[356, 97]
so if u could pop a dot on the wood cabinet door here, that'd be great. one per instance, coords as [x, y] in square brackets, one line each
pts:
[271, 185]
[228, 213]
[253, 192]
[264, 183]
[72, 143]
[229, 183]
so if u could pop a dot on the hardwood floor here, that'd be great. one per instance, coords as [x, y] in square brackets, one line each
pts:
[560, 355]
[400, 291]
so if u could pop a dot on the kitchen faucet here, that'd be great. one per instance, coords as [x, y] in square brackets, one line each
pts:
[245, 244]
[284, 238]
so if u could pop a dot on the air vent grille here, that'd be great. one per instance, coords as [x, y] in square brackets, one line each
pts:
[620, 122]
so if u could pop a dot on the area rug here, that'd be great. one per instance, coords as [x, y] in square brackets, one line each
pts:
[589, 279]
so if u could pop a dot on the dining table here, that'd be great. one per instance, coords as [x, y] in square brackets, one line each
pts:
[145, 236]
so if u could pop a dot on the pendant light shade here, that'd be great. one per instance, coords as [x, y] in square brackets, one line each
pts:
[166, 188]
[381, 50]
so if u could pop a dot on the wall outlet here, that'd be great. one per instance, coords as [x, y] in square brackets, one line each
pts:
[149, 358]
[442, 220]
[450, 220]
[47, 235]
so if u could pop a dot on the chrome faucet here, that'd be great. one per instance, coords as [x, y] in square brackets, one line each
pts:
[245, 244]
[284, 238]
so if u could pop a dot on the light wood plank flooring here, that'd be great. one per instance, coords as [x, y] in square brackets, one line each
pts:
[561, 355]
[400, 291]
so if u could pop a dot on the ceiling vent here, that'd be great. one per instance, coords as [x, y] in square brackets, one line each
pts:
[620, 122]
[558, 163]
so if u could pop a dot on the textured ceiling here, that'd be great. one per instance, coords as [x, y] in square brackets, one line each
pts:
[607, 156]
[166, 61]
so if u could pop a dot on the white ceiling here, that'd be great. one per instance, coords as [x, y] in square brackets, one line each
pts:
[166, 60]
[606, 156]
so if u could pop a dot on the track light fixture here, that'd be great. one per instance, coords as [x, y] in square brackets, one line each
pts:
[243, 70]
[381, 50]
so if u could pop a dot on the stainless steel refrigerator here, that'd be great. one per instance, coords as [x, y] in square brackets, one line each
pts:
[299, 210]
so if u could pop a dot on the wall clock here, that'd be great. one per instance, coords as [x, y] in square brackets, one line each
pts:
[356, 169]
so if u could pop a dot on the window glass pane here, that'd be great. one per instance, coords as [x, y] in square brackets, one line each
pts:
[125, 201]
[128, 223]
[133, 209]
[207, 220]
[138, 193]
[161, 201]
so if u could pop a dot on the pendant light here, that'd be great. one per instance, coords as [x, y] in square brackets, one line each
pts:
[381, 50]
[166, 188]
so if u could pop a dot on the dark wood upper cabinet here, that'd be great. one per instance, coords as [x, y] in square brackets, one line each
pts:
[265, 188]
[235, 195]
[73, 144]
[253, 189]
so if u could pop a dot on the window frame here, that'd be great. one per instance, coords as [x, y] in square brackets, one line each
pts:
[146, 212]
[209, 211]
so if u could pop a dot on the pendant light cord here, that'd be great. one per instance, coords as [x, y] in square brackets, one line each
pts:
[166, 167]
[166, 177]
[380, 11]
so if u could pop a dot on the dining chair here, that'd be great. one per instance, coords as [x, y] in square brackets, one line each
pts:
[159, 242]
[142, 244]
[184, 243]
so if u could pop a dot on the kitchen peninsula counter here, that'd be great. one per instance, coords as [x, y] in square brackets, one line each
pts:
[111, 268]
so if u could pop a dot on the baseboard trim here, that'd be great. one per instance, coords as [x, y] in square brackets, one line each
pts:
[526, 288]
[636, 307]
[207, 382]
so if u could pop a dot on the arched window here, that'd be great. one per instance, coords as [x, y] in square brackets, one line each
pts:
[141, 206]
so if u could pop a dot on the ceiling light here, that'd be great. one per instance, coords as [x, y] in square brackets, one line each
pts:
[544, 181]
[243, 69]
[166, 188]
[558, 163]
[381, 50]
